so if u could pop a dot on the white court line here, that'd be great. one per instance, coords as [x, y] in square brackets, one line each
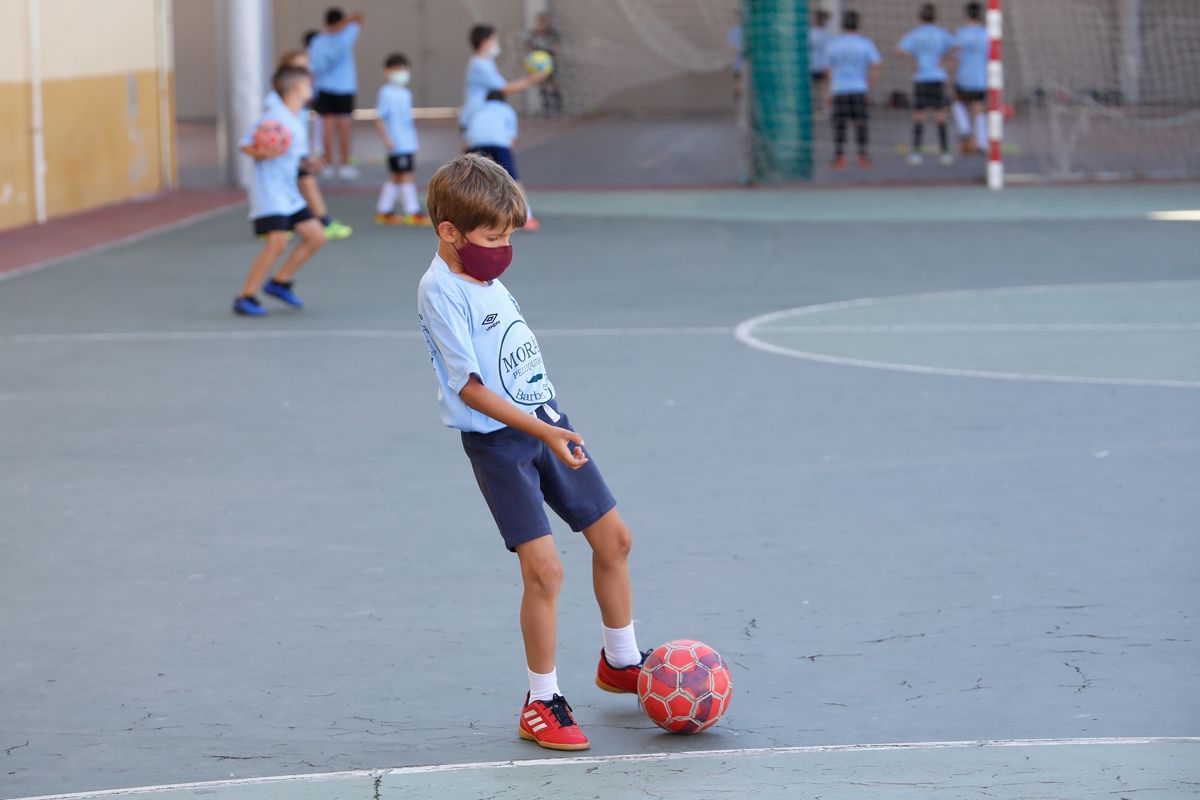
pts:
[316, 777]
[744, 332]
[130, 239]
[1187, 215]
[999, 327]
[317, 333]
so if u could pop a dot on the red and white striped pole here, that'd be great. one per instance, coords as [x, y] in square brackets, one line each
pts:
[995, 85]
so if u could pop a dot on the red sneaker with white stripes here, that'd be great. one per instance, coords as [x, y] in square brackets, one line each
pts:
[551, 724]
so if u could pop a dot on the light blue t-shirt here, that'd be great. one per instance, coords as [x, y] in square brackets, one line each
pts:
[482, 76]
[331, 56]
[973, 45]
[474, 329]
[395, 106]
[928, 44]
[301, 143]
[274, 191]
[818, 41]
[850, 56]
[494, 124]
[734, 37]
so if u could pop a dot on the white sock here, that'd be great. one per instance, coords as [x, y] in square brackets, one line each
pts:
[981, 131]
[620, 646]
[542, 687]
[387, 199]
[408, 196]
[961, 118]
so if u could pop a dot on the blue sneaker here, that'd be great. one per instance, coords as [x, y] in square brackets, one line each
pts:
[249, 307]
[283, 291]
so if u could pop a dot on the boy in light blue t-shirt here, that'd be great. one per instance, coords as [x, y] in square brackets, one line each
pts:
[399, 134]
[331, 54]
[853, 65]
[276, 206]
[483, 76]
[972, 46]
[492, 131]
[928, 45]
[494, 387]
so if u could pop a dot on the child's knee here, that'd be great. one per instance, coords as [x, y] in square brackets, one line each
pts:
[276, 243]
[614, 542]
[544, 576]
[314, 235]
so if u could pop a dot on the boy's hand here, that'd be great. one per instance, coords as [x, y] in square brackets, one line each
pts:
[559, 440]
[313, 164]
[263, 153]
[390, 145]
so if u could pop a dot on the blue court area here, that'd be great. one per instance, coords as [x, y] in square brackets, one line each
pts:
[243, 559]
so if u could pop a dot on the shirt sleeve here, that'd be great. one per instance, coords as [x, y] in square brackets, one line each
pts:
[317, 61]
[447, 323]
[381, 104]
[248, 139]
[512, 124]
[492, 77]
[906, 44]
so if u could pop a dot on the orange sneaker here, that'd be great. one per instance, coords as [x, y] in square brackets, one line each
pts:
[416, 219]
[618, 681]
[840, 162]
[531, 224]
[551, 725]
[389, 219]
[864, 162]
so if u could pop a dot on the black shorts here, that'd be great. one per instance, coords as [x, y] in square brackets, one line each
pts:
[817, 77]
[401, 162]
[279, 222]
[340, 105]
[850, 106]
[969, 95]
[501, 155]
[519, 476]
[929, 95]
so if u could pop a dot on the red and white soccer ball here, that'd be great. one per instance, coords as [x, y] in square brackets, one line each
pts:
[273, 137]
[684, 686]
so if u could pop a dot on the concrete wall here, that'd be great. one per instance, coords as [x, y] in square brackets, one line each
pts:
[102, 122]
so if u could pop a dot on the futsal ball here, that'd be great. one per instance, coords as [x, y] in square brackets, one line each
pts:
[684, 686]
[538, 62]
[273, 137]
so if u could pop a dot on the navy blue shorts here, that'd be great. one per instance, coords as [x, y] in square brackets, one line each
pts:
[501, 155]
[519, 476]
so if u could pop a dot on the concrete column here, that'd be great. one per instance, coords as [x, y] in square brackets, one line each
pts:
[245, 60]
[1130, 26]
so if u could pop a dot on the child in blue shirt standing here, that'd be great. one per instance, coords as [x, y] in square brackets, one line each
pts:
[853, 63]
[276, 206]
[332, 56]
[491, 132]
[973, 46]
[927, 45]
[399, 134]
[494, 387]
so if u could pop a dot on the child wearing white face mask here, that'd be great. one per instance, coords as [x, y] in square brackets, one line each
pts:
[399, 134]
[483, 76]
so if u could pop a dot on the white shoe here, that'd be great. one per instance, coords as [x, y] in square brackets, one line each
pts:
[347, 172]
[947, 159]
[328, 172]
[915, 159]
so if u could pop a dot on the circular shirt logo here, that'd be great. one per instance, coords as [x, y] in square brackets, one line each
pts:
[522, 369]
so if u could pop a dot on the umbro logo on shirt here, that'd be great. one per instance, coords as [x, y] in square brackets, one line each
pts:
[491, 321]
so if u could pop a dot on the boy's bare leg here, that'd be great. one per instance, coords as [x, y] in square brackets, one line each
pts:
[312, 238]
[542, 573]
[311, 191]
[328, 124]
[611, 542]
[346, 131]
[261, 266]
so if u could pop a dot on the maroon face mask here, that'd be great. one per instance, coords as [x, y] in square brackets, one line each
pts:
[485, 263]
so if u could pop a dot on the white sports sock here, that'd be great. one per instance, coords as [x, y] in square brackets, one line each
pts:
[408, 197]
[620, 646]
[981, 131]
[961, 118]
[387, 198]
[542, 687]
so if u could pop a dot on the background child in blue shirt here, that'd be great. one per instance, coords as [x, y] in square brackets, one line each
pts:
[853, 63]
[972, 46]
[332, 56]
[399, 134]
[928, 45]
[276, 206]
[491, 132]
[494, 386]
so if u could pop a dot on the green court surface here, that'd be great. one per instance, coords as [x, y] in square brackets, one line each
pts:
[244, 556]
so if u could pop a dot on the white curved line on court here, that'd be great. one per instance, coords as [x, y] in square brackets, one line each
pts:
[744, 332]
[315, 777]
[317, 333]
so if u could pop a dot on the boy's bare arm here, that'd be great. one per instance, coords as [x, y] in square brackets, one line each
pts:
[259, 153]
[383, 134]
[355, 17]
[487, 402]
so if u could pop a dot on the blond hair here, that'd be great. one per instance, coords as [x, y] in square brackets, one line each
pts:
[472, 191]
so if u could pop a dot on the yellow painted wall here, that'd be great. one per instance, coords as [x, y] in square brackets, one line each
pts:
[102, 121]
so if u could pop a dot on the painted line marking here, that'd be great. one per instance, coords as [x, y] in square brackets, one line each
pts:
[999, 327]
[124, 240]
[331, 333]
[1189, 215]
[620, 759]
[744, 333]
